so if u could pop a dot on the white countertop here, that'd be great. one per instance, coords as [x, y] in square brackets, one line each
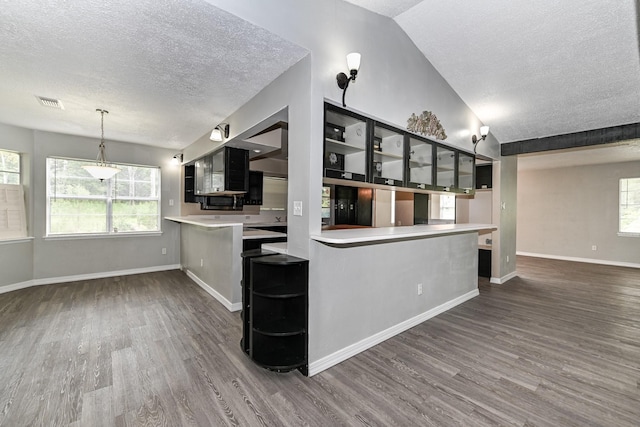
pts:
[280, 248]
[380, 235]
[254, 233]
[203, 221]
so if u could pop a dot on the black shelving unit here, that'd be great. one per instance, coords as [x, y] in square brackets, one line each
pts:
[189, 184]
[278, 312]
[247, 255]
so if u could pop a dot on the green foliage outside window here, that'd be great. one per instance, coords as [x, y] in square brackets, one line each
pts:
[81, 204]
[9, 167]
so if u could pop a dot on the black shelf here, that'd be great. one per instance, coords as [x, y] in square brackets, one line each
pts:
[275, 334]
[246, 293]
[290, 290]
[275, 353]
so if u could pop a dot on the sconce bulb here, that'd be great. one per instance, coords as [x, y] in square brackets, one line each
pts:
[353, 62]
[484, 131]
[220, 131]
[216, 135]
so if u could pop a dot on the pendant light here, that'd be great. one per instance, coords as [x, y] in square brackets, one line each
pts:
[101, 170]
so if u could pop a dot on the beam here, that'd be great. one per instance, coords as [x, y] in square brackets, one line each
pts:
[572, 140]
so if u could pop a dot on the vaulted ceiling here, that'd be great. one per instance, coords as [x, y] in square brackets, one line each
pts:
[527, 69]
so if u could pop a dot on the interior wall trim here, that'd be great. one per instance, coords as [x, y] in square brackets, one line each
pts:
[572, 140]
[353, 349]
[217, 295]
[78, 277]
[578, 259]
[504, 279]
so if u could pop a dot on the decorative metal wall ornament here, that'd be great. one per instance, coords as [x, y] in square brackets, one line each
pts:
[426, 124]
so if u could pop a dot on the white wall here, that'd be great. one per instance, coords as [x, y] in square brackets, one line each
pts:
[395, 80]
[563, 212]
[46, 259]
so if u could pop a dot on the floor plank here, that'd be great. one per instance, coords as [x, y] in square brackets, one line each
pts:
[559, 345]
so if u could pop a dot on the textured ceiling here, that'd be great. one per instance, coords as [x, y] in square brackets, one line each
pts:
[167, 70]
[531, 69]
[170, 70]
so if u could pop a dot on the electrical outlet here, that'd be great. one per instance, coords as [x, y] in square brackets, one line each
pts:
[164, 251]
[170, 202]
[594, 248]
[419, 288]
[297, 207]
[507, 258]
[201, 262]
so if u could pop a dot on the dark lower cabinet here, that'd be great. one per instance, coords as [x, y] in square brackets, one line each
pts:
[484, 262]
[277, 306]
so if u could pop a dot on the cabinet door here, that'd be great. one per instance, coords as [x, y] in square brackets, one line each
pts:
[345, 145]
[216, 171]
[189, 183]
[466, 167]
[445, 168]
[420, 164]
[388, 156]
[199, 173]
[236, 169]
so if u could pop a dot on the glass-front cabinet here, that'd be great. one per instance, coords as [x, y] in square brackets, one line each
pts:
[345, 145]
[445, 168]
[420, 164]
[388, 156]
[466, 168]
[358, 148]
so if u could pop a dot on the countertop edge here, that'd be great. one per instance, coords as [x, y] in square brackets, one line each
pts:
[209, 224]
[387, 234]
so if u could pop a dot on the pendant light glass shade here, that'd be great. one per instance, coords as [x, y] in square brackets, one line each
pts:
[101, 169]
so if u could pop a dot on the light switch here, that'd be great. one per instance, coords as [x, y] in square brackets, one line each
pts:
[297, 207]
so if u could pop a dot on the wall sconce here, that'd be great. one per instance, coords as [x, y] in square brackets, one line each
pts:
[353, 63]
[220, 131]
[484, 131]
[177, 159]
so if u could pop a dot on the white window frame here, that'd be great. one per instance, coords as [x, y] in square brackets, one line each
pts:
[622, 204]
[18, 172]
[109, 198]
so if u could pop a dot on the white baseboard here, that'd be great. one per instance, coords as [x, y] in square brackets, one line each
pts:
[503, 279]
[78, 277]
[350, 351]
[222, 300]
[577, 259]
[16, 286]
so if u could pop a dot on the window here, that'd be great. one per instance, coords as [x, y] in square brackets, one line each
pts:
[447, 207]
[9, 167]
[77, 203]
[326, 202]
[629, 213]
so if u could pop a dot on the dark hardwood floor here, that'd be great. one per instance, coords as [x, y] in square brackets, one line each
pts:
[557, 346]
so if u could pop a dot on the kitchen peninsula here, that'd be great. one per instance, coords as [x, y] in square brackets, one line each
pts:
[367, 285]
[211, 249]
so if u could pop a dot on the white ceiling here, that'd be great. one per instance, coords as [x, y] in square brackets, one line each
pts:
[527, 69]
[531, 69]
[168, 71]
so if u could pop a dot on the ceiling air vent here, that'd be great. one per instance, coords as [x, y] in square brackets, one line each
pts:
[50, 102]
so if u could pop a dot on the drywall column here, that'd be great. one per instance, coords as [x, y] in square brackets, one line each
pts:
[503, 254]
